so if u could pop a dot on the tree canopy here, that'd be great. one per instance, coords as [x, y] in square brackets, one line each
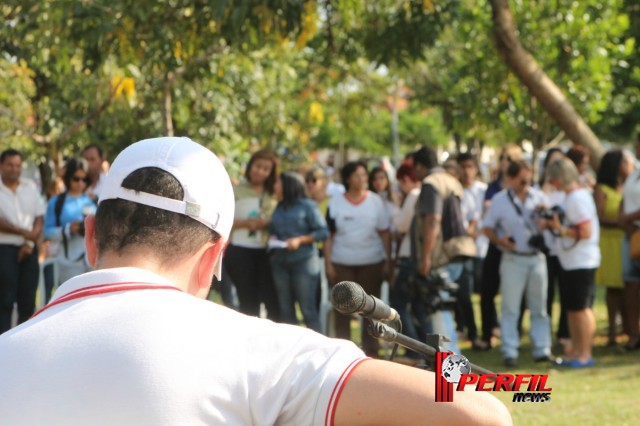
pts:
[300, 75]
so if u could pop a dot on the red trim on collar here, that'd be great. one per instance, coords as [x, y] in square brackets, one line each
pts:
[104, 289]
[356, 203]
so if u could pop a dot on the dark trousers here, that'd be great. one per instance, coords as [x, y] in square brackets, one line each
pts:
[250, 271]
[370, 277]
[400, 297]
[464, 307]
[554, 273]
[18, 283]
[489, 290]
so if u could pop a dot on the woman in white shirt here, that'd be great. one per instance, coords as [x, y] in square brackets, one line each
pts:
[578, 250]
[358, 248]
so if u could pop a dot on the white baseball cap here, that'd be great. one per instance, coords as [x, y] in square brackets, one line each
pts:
[208, 193]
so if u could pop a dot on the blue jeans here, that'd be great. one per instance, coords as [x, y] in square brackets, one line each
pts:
[524, 275]
[299, 281]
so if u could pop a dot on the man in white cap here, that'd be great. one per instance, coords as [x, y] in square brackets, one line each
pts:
[128, 344]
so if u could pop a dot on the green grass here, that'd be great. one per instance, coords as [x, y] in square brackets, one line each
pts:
[607, 394]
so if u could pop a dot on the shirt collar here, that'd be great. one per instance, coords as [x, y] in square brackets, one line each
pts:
[110, 276]
[515, 196]
[21, 183]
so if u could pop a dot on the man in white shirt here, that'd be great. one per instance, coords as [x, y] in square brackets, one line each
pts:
[472, 209]
[21, 219]
[95, 157]
[128, 344]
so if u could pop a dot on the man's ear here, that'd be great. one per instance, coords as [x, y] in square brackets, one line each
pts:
[208, 264]
[90, 239]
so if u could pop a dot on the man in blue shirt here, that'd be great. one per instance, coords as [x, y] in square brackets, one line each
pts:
[510, 224]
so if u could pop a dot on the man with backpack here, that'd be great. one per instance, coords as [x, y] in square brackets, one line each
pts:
[440, 242]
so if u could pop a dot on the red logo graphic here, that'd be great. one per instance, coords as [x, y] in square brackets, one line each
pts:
[455, 369]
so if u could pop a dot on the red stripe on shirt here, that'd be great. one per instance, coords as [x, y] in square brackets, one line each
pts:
[103, 289]
[338, 388]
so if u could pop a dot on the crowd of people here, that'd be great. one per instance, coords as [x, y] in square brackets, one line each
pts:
[436, 233]
[134, 342]
[48, 223]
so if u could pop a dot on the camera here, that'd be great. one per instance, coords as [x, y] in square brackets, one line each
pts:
[537, 242]
[436, 292]
[547, 213]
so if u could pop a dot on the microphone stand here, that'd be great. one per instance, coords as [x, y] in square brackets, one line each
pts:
[382, 331]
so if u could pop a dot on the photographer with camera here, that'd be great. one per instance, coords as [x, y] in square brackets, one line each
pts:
[578, 232]
[64, 220]
[510, 224]
[440, 243]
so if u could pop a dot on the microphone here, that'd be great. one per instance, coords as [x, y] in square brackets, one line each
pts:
[350, 298]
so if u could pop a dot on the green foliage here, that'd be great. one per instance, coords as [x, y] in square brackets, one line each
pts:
[16, 89]
[298, 75]
[577, 44]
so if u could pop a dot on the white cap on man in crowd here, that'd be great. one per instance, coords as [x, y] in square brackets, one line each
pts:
[208, 193]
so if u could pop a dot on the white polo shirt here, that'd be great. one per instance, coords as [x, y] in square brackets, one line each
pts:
[19, 208]
[96, 188]
[579, 207]
[164, 357]
[355, 227]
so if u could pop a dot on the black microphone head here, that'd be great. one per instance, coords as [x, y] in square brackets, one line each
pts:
[348, 297]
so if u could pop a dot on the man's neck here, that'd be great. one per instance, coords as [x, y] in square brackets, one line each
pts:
[522, 193]
[177, 274]
[11, 184]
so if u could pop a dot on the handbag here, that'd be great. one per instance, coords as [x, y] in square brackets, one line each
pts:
[634, 243]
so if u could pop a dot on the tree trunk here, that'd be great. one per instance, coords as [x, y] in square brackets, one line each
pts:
[167, 105]
[525, 67]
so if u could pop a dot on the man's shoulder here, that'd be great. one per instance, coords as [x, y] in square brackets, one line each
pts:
[500, 197]
[28, 185]
[479, 186]
[538, 194]
[439, 179]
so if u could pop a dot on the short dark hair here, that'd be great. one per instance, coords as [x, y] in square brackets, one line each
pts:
[425, 156]
[264, 154]
[123, 225]
[577, 154]
[10, 153]
[71, 167]
[292, 188]
[515, 167]
[349, 169]
[610, 168]
[467, 156]
[96, 147]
